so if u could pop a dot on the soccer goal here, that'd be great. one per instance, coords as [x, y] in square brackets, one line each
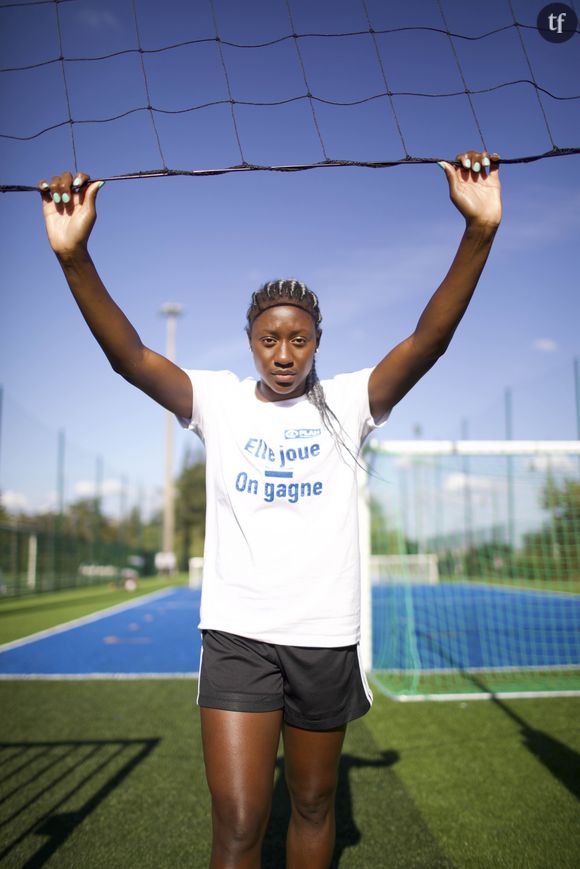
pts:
[473, 584]
[421, 568]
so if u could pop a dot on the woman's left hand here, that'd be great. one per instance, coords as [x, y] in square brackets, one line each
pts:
[474, 187]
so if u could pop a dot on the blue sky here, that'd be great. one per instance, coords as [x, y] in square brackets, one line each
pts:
[373, 244]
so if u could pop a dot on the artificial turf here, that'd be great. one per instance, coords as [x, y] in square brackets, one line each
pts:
[22, 616]
[110, 774]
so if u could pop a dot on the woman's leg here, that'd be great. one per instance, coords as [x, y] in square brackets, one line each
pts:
[311, 759]
[240, 756]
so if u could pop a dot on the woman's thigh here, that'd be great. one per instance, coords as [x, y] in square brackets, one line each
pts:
[240, 756]
[311, 761]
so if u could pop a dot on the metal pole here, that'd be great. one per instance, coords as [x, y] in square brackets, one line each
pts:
[418, 492]
[96, 537]
[510, 470]
[577, 394]
[123, 499]
[467, 507]
[364, 513]
[1, 400]
[60, 472]
[171, 311]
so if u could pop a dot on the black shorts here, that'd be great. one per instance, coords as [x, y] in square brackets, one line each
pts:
[317, 689]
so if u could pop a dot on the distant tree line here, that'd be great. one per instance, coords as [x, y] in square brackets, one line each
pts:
[550, 553]
[553, 552]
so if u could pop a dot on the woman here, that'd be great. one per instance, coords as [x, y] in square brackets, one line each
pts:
[280, 607]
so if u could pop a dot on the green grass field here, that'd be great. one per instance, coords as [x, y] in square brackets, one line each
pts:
[110, 774]
[22, 616]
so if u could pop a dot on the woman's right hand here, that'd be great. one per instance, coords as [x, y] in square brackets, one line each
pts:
[69, 210]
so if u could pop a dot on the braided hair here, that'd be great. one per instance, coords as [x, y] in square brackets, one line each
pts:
[295, 293]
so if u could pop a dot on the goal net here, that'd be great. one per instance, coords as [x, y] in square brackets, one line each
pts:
[419, 568]
[474, 578]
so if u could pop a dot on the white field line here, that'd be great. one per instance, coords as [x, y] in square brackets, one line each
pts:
[85, 620]
[447, 671]
[499, 695]
[483, 695]
[80, 677]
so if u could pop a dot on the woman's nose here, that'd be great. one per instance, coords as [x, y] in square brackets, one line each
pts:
[283, 354]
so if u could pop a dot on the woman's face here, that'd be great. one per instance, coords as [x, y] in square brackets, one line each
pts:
[283, 342]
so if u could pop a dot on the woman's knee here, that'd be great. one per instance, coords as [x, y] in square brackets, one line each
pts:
[239, 826]
[314, 804]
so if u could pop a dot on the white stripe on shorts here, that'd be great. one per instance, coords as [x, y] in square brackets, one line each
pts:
[199, 677]
[363, 675]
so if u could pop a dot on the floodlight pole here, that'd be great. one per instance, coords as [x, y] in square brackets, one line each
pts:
[510, 471]
[577, 394]
[171, 311]
[1, 401]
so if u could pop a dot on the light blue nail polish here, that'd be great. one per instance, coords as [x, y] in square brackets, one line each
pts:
[476, 167]
[467, 164]
[44, 186]
[56, 198]
[77, 182]
[441, 164]
[485, 161]
[65, 198]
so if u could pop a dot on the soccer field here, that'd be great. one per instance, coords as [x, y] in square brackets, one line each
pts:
[108, 771]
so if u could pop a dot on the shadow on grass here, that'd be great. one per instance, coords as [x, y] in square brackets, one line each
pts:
[559, 759]
[388, 826]
[48, 788]
[347, 832]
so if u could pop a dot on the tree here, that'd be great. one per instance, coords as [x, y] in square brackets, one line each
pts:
[554, 550]
[386, 539]
[190, 511]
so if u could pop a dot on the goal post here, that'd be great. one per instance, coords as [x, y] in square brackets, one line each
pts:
[473, 579]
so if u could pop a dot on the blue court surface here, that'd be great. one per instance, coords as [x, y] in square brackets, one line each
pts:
[471, 626]
[155, 635]
[444, 627]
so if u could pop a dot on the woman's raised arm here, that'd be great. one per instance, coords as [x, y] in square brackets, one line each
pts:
[474, 189]
[69, 213]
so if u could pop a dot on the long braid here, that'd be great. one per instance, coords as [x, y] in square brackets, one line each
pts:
[315, 395]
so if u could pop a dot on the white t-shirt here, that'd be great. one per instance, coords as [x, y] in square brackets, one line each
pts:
[281, 561]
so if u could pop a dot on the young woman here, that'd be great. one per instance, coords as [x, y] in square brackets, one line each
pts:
[280, 606]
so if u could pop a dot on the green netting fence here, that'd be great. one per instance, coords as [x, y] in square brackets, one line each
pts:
[475, 572]
[36, 560]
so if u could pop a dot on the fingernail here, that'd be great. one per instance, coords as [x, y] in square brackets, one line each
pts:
[56, 198]
[44, 186]
[441, 164]
[100, 184]
[65, 198]
[485, 161]
[78, 181]
[476, 167]
[467, 164]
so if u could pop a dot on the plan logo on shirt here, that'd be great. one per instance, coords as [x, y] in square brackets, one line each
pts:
[292, 434]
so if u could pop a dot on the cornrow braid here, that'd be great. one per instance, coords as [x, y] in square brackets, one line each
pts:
[284, 292]
[293, 292]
